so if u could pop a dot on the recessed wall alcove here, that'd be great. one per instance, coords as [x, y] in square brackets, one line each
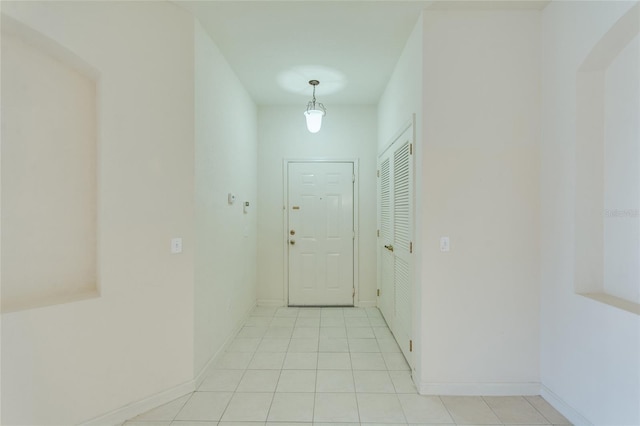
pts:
[48, 172]
[607, 250]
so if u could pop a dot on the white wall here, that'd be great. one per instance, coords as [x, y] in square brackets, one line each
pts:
[348, 132]
[590, 351]
[67, 363]
[480, 168]
[621, 263]
[402, 99]
[0, 239]
[402, 96]
[49, 173]
[225, 161]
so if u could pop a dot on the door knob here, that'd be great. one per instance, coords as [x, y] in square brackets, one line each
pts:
[292, 232]
[389, 247]
[292, 242]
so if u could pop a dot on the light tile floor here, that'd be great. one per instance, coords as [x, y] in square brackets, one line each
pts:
[328, 365]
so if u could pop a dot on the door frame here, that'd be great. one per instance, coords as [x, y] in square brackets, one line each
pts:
[285, 221]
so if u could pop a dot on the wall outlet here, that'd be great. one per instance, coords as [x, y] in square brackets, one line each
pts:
[176, 245]
[444, 244]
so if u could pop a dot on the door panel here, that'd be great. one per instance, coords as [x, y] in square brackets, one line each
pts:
[395, 215]
[402, 321]
[402, 227]
[320, 215]
[401, 198]
[385, 259]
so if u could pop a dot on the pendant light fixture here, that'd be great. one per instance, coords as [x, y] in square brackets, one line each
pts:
[315, 111]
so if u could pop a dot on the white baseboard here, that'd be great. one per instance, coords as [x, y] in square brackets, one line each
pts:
[486, 389]
[277, 303]
[565, 409]
[120, 415]
[271, 303]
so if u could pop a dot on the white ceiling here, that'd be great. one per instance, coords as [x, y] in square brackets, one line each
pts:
[276, 47]
[351, 47]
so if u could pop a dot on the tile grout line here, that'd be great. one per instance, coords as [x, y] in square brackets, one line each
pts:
[538, 411]
[492, 410]
[181, 407]
[246, 369]
[453, 420]
[274, 390]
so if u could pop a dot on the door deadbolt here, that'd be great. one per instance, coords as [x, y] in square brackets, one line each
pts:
[292, 232]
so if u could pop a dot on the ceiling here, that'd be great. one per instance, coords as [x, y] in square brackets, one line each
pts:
[351, 47]
[276, 47]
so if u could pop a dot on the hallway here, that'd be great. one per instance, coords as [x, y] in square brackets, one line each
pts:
[327, 365]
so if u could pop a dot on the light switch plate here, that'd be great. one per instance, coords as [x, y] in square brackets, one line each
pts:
[176, 245]
[444, 244]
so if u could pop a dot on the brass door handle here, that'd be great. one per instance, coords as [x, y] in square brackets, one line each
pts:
[389, 247]
[292, 242]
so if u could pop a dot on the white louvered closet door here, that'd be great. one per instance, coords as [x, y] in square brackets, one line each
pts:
[395, 247]
[386, 301]
[402, 245]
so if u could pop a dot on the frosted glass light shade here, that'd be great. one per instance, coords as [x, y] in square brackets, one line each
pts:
[314, 119]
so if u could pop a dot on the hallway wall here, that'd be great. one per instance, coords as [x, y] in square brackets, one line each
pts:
[67, 363]
[225, 161]
[401, 102]
[476, 93]
[480, 188]
[348, 132]
[402, 97]
[590, 363]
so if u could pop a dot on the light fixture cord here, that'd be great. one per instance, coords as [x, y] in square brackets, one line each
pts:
[314, 95]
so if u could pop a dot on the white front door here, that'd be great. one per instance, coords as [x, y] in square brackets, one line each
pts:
[320, 233]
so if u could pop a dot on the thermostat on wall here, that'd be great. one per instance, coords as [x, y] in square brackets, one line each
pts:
[231, 198]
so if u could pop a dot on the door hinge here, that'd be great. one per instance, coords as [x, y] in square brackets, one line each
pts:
[354, 293]
[378, 173]
[353, 177]
[378, 232]
[410, 149]
[410, 345]
[378, 292]
[410, 247]
[354, 235]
